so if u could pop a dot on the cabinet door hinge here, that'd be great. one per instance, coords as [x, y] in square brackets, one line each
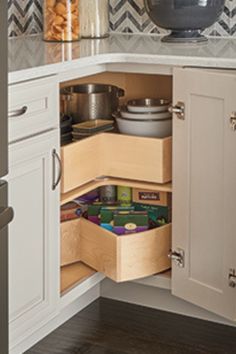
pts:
[178, 257]
[232, 278]
[233, 121]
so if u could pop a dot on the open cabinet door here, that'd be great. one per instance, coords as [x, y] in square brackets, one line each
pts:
[204, 190]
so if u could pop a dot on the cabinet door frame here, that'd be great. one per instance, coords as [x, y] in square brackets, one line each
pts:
[191, 86]
[33, 151]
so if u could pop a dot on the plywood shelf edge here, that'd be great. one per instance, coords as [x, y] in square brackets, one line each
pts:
[67, 197]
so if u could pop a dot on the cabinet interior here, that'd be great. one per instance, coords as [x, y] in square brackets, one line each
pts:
[135, 86]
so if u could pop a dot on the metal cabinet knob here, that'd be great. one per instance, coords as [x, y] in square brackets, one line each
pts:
[179, 110]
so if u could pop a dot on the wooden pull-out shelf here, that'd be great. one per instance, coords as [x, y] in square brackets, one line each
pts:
[74, 274]
[106, 181]
[70, 242]
[122, 258]
[116, 155]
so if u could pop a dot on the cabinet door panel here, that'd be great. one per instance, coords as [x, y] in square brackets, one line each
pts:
[33, 236]
[27, 238]
[204, 224]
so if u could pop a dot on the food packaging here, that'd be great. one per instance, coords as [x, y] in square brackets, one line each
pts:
[107, 213]
[70, 211]
[94, 211]
[130, 223]
[124, 195]
[151, 197]
[107, 194]
[157, 215]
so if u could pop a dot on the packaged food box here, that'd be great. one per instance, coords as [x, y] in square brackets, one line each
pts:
[151, 197]
[132, 222]
[107, 213]
[89, 197]
[158, 215]
[70, 211]
[94, 211]
[124, 195]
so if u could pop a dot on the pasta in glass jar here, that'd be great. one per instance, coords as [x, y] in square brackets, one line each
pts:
[61, 20]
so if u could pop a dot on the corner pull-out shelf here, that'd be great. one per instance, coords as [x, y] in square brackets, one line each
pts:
[121, 258]
[74, 274]
[116, 155]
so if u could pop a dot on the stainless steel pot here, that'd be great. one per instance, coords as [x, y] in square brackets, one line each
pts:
[91, 101]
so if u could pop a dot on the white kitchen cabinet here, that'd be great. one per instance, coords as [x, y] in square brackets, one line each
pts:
[33, 241]
[204, 194]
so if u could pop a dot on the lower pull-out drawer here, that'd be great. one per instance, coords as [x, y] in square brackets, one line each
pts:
[124, 258]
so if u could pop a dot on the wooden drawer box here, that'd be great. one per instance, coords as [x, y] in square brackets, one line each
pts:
[124, 258]
[70, 242]
[116, 155]
[41, 101]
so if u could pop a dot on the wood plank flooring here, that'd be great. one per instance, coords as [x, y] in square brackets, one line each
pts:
[112, 327]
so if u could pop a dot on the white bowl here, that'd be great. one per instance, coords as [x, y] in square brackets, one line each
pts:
[144, 116]
[148, 105]
[155, 129]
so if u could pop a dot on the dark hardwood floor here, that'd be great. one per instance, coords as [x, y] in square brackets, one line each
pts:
[111, 327]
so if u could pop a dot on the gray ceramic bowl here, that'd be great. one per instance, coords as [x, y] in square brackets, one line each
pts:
[185, 18]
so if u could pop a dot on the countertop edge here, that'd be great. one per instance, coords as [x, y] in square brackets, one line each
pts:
[118, 58]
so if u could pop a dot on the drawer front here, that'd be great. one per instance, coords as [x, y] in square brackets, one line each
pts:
[81, 162]
[124, 258]
[116, 155]
[138, 158]
[70, 242]
[33, 108]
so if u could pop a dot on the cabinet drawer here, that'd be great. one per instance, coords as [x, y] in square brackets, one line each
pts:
[124, 258]
[138, 158]
[81, 162]
[70, 242]
[116, 155]
[33, 108]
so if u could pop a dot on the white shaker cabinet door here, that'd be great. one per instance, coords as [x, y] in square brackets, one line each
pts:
[204, 179]
[33, 236]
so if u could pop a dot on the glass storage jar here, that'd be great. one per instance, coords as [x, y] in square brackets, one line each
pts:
[94, 18]
[61, 20]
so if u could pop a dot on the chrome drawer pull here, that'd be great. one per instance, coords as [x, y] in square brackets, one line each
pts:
[6, 216]
[18, 112]
[55, 157]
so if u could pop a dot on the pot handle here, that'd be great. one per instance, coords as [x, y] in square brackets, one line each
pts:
[66, 95]
[120, 92]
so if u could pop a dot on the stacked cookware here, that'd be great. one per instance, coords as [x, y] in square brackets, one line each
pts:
[90, 108]
[145, 117]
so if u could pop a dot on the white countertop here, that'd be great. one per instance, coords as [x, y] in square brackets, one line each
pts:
[30, 57]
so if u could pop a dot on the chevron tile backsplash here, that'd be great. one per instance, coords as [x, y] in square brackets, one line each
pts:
[25, 17]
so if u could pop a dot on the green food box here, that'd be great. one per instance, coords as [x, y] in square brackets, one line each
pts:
[133, 222]
[158, 215]
[107, 213]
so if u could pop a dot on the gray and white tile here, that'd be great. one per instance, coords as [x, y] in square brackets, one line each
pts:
[129, 16]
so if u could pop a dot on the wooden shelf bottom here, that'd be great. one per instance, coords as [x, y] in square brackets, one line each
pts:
[74, 274]
[67, 197]
[161, 280]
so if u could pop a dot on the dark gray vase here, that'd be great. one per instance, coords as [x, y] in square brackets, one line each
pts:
[185, 18]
